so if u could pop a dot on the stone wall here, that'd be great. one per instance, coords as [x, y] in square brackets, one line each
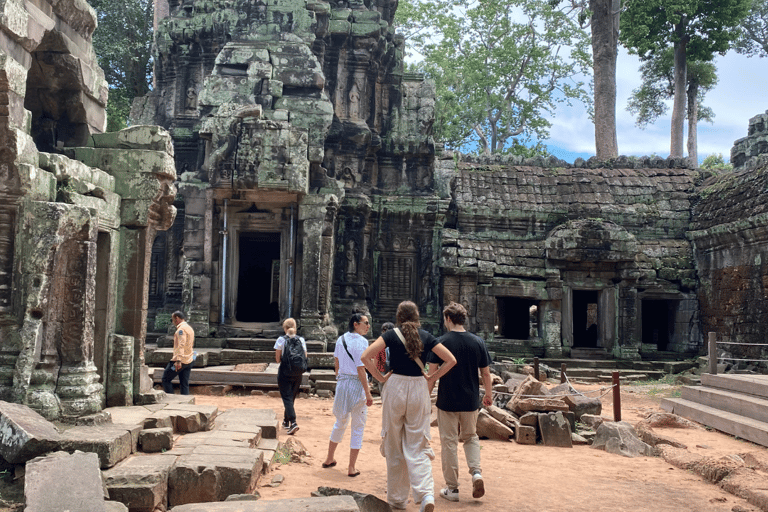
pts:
[71, 198]
[729, 232]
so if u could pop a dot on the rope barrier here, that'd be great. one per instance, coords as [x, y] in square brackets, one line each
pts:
[742, 343]
[561, 395]
[734, 359]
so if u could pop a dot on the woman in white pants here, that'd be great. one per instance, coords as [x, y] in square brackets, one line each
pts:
[353, 397]
[407, 407]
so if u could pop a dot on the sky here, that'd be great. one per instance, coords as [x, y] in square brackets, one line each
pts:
[739, 95]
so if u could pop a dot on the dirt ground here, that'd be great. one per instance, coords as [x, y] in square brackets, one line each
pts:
[521, 478]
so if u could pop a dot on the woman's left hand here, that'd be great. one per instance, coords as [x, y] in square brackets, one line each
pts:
[368, 399]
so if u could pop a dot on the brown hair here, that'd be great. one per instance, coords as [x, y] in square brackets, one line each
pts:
[456, 312]
[289, 326]
[408, 320]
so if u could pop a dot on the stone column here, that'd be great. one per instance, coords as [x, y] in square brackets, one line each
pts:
[120, 381]
[628, 343]
[317, 215]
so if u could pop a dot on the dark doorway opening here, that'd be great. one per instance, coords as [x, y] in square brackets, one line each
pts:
[656, 322]
[102, 303]
[517, 318]
[585, 317]
[259, 278]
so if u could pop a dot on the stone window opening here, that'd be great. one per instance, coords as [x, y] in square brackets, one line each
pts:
[55, 96]
[517, 318]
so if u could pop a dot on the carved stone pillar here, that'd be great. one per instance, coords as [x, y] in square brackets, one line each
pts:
[120, 382]
[317, 215]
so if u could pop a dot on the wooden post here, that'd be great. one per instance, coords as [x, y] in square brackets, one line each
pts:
[536, 368]
[713, 353]
[616, 397]
[562, 373]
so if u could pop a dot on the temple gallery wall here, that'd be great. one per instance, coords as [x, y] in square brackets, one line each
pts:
[284, 165]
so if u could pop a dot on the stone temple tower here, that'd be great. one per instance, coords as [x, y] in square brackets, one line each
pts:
[305, 162]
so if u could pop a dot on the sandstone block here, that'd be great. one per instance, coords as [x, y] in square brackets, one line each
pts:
[141, 483]
[62, 481]
[539, 405]
[24, 434]
[111, 443]
[620, 438]
[490, 428]
[212, 477]
[555, 430]
[325, 504]
[155, 440]
[581, 405]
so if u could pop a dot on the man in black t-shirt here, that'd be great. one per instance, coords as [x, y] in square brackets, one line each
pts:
[458, 401]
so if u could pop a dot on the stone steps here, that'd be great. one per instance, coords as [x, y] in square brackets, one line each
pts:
[735, 404]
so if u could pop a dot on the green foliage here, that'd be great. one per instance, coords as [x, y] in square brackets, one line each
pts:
[704, 27]
[519, 360]
[123, 43]
[500, 68]
[283, 454]
[716, 162]
[753, 33]
[648, 102]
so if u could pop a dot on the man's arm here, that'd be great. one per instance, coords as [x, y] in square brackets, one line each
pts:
[485, 373]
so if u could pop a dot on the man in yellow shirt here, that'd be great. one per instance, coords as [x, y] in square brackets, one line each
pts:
[181, 362]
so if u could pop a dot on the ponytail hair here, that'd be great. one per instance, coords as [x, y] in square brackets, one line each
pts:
[408, 320]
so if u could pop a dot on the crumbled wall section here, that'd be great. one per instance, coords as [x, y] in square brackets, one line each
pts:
[729, 231]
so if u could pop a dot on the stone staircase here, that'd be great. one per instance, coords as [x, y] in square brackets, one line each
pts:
[732, 403]
[600, 370]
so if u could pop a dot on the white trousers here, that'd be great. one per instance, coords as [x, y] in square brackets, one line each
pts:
[405, 429]
[349, 401]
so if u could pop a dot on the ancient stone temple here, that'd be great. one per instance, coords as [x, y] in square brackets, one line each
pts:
[309, 185]
[305, 165]
[79, 210]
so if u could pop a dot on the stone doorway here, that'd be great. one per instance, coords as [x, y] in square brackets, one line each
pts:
[258, 282]
[103, 304]
[657, 322]
[517, 318]
[586, 315]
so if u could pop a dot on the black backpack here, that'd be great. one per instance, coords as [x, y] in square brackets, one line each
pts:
[293, 362]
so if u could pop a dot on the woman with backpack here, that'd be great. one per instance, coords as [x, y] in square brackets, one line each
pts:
[353, 397]
[291, 353]
[406, 407]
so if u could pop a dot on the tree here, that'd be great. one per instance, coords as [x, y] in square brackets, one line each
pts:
[715, 162]
[696, 29]
[604, 20]
[648, 101]
[753, 36]
[500, 69]
[123, 45]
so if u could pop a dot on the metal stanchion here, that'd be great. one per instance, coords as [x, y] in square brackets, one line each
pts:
[712, 342]
[536, 368]
[562, 373]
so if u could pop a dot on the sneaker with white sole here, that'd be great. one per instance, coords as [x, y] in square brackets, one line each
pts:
[428, 504]
[449, 494]
[478, 486]
[292, 429]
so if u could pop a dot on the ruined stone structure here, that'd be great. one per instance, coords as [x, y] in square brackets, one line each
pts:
[310, 185]
[751, 151]
[79, 210]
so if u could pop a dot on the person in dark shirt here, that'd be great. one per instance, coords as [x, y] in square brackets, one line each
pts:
[458, 400]
[406, 407]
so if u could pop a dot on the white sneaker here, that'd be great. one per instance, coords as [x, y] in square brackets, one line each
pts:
[449, 494]
[478, 486]
[428, 504]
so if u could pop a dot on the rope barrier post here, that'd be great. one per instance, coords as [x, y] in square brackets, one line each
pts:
[712, 353]
[562, 373]
[536, 368]
[616, 396]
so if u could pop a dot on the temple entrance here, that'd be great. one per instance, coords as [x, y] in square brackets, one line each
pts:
[585, 318]
[102, 304]
[517, 318]
[258, 283]
[656, 322]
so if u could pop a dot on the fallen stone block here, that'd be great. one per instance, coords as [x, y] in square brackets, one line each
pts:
[159, 419]
[111, 443]
[325, 504]
[538, 405]
[530, 419]
[24, 434]
[592, 420]
[141, 483]
[620, 438]
[209, 477]
[63, 481]
[555, 430]
[155, 440]
[501, 415]
[115, 506]
[208, 413]
[249, 420]
[221, 438]
[581, 405]
[524, 434]
[491, 428]
[365, 502]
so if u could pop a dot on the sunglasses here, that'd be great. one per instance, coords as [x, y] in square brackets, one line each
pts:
[366, 323]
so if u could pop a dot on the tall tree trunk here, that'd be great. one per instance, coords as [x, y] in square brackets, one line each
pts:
[678, 107]
[605, 36]
[693, 121]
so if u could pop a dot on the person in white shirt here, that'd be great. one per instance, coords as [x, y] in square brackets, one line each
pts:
[353, 397]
